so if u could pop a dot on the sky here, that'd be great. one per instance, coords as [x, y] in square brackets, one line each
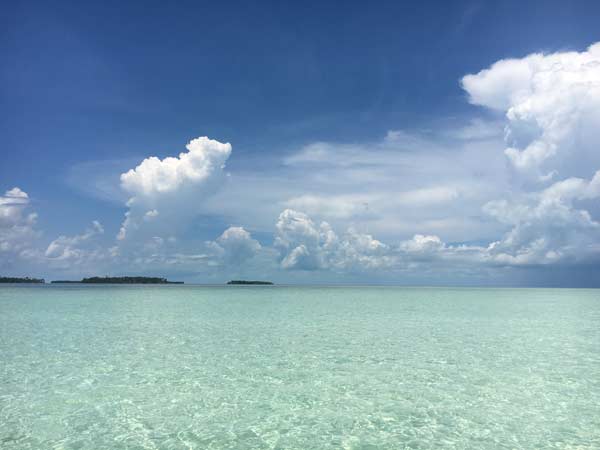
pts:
[438, 143]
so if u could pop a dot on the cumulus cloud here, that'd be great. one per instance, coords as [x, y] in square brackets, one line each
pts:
[166, 193]
[19, 240]
[552, 103]
[17, 227]
[235, 246]
[545, 228]
[305, 245]
[302, 243]
[422, 244]
[154, 177]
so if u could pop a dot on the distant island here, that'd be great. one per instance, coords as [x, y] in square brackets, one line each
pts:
[249, 282]
[120, 280]
[21, 280]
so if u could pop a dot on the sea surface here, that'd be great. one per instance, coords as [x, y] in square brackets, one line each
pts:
[241, 367]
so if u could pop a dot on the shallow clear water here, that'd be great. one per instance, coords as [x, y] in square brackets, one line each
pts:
[177, 367]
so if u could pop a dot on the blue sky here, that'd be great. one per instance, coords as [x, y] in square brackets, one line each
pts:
[353, 114]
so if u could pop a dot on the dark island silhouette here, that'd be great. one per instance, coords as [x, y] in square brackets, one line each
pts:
[246, 282]
[120, 280]
[22, 280]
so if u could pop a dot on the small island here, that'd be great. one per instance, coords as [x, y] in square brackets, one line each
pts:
[121, 280]
[246, 282]
[22, 280]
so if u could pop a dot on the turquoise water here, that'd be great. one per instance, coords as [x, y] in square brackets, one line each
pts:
[178, 367]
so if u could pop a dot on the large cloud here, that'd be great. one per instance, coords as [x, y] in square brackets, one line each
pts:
[552, 107]
[165, 193]
[552, 103]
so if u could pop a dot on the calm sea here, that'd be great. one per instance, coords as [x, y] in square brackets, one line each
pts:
[178, 367]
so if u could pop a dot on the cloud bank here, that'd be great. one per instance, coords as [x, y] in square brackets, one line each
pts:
[516, 191]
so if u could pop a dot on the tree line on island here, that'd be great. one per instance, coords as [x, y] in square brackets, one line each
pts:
[21, 280]
[120, 280]
[94, 280]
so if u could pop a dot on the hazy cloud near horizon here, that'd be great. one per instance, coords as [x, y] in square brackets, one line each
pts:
[515, 186]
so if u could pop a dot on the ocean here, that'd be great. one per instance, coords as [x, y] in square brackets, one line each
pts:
[243, 367]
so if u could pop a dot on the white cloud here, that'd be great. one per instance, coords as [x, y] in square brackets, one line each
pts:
[360, 251]
[11, 206]
[19, 246]
[73, 248]
[301, 242]
[404, 183]
[165, 194]
[155, 177]
[17, 228]
[419, 192]
[552, 107]
[422, 244]
[235, 246]
[547, 226]
[305, 245]
[552, 103]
